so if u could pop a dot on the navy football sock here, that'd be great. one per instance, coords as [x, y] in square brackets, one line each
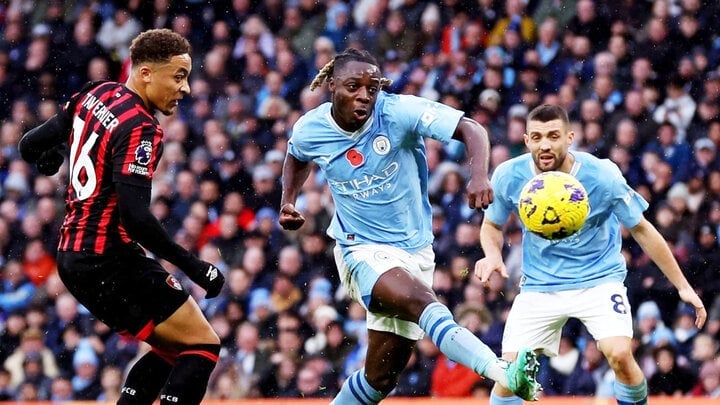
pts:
[145, 379]
[189, 378]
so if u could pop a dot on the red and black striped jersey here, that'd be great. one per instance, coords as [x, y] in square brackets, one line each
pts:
[114, 138]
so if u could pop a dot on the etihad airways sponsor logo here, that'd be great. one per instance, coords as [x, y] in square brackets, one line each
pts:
[367, 181]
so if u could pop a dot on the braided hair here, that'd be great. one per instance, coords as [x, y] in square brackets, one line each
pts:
[349, 55]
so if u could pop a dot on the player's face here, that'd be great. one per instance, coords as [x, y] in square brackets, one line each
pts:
[168, 83]
[354, 90]
[548, 142]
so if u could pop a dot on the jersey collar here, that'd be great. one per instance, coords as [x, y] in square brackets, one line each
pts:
[352, 135]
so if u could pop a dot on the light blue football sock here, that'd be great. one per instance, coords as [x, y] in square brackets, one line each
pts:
[357, 391]
[456, 342]
[631, 394]
[498, 400]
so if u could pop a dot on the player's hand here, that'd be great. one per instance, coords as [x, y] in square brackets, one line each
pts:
[209, 277]
[290, 218]
[479, 193]
[49, 162]
[486, 266]
[690, 296]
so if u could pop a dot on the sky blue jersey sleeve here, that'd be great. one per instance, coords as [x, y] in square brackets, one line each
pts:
[423, 117]
[627, 204]
[504, 180]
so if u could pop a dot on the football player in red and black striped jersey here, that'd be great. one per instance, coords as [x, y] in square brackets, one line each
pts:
[115, 143]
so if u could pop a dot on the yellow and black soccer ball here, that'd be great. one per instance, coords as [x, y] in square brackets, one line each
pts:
[553, 205]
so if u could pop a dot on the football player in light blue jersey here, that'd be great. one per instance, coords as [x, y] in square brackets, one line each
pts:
[580, 276]
[369, 146]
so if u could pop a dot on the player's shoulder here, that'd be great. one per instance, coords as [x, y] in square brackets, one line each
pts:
[512, 174]
[312, 119]
[513, 166]
[408, 102]
[594, 164]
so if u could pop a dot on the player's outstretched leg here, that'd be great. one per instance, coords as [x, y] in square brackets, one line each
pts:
[522, 374]
[462, 346]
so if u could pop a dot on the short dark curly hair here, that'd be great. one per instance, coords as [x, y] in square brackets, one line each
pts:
[157, 45]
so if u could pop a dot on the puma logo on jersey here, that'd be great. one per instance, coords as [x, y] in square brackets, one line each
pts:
[211, 273]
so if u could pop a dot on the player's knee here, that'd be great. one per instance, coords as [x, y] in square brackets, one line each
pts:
[416, 304]
[619, 357]
[209, 351]
[383, 383]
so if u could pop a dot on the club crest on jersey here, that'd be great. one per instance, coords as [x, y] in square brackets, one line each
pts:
[354, 157]
[381, 145]
[173, 282]
[143, 153]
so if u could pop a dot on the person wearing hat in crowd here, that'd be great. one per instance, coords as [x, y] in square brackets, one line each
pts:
[684, 330]
[33, 345]
[265, 189]
[491, 103]
[705, 158]
[232, 174]
[274, 158]
[86, 364]
[652, 330]
[35, 374]
[703, 266]
[266, 222]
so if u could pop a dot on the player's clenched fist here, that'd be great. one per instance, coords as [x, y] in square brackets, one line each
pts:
[290, 218]
[207, 276]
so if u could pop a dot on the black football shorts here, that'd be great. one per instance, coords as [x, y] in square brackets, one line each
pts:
[129, 292]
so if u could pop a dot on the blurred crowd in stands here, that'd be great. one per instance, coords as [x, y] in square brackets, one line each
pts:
[640, 79]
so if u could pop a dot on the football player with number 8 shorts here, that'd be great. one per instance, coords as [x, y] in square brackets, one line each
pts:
[582, 275]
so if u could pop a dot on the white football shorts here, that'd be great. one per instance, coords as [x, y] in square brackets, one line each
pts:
[536, 319]
[361, 266]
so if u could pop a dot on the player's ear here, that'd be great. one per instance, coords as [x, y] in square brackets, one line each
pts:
[331, 85]
[145, 73]
[570, 137]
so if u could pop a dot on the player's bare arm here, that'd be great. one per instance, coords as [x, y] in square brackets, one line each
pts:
[655, 246]
[294, 174]
[475, 137]
[491, 239]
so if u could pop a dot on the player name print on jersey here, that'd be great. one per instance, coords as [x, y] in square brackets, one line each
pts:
[100, 111]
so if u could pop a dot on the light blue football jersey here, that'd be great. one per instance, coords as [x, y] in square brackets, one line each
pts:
[592, 255]
[378, 174]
